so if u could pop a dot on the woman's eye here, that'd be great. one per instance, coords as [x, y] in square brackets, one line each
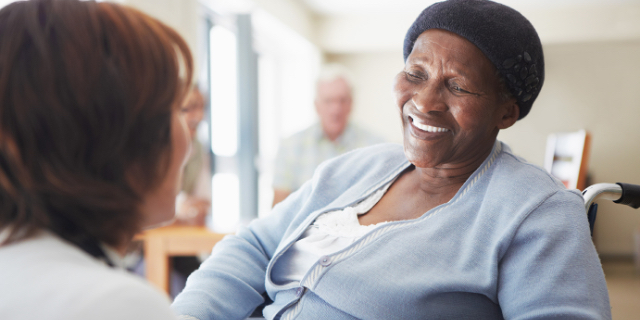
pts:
[458, 89]
[413, 76]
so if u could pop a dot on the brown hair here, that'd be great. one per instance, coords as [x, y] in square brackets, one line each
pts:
[87, 92]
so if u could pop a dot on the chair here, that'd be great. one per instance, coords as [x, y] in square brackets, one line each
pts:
[162, 243]
[567, 158]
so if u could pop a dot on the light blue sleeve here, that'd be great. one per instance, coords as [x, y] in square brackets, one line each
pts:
[551, 269]
[230, 283]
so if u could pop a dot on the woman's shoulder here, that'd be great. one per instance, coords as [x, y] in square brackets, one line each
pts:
[52, 279]
[124, 296]
[523, 172]
[521, 182]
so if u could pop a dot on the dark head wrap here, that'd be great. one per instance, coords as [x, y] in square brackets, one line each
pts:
[504, 35]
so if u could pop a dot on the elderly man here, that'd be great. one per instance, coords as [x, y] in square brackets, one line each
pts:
[333, 135]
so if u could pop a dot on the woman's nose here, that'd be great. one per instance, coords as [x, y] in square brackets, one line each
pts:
[430, 97]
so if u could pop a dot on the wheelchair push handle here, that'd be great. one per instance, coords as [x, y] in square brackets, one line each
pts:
[630, 195]
[623, 193]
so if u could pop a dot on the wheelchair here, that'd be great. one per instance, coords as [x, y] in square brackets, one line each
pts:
[622, 193]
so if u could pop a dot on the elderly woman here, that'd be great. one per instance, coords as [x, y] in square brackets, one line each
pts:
[92, 144]
[450, 226]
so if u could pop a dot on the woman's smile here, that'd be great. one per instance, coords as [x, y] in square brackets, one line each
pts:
[423, 131]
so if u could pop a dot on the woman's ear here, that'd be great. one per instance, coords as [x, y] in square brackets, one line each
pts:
[510, 114]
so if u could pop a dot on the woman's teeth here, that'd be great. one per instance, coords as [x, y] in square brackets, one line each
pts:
[427, 128]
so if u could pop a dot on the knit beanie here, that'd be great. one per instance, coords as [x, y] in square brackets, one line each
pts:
[504, 35]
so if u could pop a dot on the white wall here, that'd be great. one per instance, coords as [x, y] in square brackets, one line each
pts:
[293, 14]
[556, 24]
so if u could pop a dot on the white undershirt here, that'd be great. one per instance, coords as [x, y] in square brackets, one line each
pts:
[329, 233]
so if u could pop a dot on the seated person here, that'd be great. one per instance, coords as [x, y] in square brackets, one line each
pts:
[451, 225]
[299, 155]
[92, 147]
[194, 200]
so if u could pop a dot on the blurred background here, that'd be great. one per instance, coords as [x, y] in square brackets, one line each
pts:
[257, 61]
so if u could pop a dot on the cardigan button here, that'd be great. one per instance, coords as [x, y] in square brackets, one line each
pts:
[325, 261]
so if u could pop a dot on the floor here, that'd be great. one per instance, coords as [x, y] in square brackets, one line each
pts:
[623, 281]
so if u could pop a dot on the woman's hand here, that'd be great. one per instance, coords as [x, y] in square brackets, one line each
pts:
[192, 211]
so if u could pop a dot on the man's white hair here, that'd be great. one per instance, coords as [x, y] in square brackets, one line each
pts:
[332, 71]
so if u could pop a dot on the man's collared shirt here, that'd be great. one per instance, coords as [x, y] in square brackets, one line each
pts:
[300, 154]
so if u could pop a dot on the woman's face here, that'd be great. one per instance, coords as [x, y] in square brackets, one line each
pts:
[449, 102]
[159, 205]
[194, 111]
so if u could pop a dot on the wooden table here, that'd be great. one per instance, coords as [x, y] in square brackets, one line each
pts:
[165, 242]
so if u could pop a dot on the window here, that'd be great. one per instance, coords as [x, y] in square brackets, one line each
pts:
[261, 84]
[223, 99]
[288, 65]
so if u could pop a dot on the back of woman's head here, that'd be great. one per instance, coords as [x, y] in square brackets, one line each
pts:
[87, 91]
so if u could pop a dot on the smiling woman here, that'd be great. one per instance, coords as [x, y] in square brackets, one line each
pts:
[451, 225]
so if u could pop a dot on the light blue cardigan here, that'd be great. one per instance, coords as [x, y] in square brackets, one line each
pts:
[512, 243]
